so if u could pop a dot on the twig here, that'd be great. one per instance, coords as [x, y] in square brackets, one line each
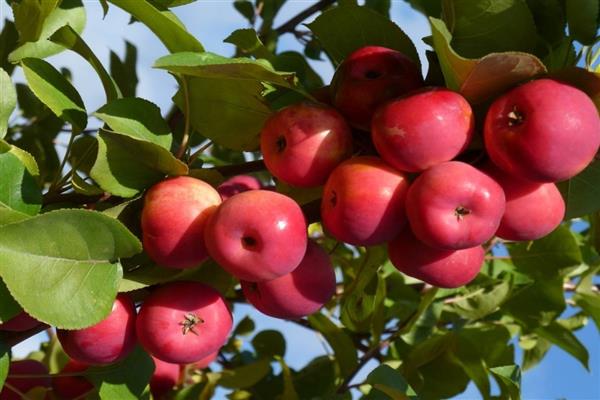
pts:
[236, 169]
[186, 129]
[291, 24]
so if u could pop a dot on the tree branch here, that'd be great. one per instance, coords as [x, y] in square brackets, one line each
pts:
[291, 24]
[244, 168]
[11, 339]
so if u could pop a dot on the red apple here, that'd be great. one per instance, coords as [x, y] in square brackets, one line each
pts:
[257, 235]
[21, 322]
[297, 294]
[303, 143]
[23, 385]
[72, 387]
[533, 209]
[454, 206]
[206, 361]
[109, 341]
[165, 376]
[363, 202]
[544, 131]
[369, 77]
[238, 184]
[438, 267]
[173, 220]
[183, 322]
[422, 129]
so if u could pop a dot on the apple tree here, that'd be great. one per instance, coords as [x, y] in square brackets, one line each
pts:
[423, 226]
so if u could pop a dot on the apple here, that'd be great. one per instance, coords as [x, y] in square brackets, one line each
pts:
[257, 235]
[438, 267]
[24, 367]
[363, 202]
[72, 387]
[297, 294]
[206, 361]
[183, 322]
[543, 130]
[20, 322]
[369, 77]
[422, 129]
[533, 209]
[238, 184]
[106, 342]
[454, 206]
[173, 219]
[302, 143]
[165, 376]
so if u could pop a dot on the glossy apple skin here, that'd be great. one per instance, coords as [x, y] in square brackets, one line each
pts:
[557, 135]
[301, 144]
[369, 77]
[363, 202]
[24, 367]
[107, 342]
[438, 267]
[533, 209]
[206, 361]
[21, 322]
[257, 235]
[454, 206]
[165, 376]
[238, 184]
[297, 294]
[72, 387]
[173, 220]
[160, 322]
[422, 129]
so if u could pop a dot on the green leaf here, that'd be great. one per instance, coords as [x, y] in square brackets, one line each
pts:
[509, 378]
[69, 12]
[171, 34]
[482, 302]
[342, 30]
[19, 190]
[294, 62]
[581, 193]
[125, 166]
[229, 112]
[590, 303]
[54, 90]
[269, 343]
[244, 327]
[481, 79]
[80, 185]
[124, 72]
[537, 304]
[566, 340]
[9, 216]
[138, 119]
[65, 257]
[68, 37]
[124, 380]
[534, 356]
[316, 379]
[289, 392]
[245, 376]
[389, 381]
[8, 42]
[549, 19]
[30, 16]
[340, 342]
[582, 16]
[26, 158]
[84, 151]
[246, 8]
[248, 42]
[9, 308]
[8, 101]
[4, 362]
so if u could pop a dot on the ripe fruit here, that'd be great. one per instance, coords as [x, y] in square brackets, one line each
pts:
[363, 202]
[21, 322]
[24, 367]
[257, 235]
[303, 143]
[297, 294]
[370, 76]
[72, 387]
[533, 209]
[183, 322]
[438, 267]
[206, 361]
[422, 129]
[238, 184]
[173, 220]
[544, 131]
[109, 341]
[454, 206]
[165, 376]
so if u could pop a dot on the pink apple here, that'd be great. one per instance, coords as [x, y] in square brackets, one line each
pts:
[544, 131]
[363, 202]
[422, 129]
[297, 294]
[165, 376]
[173, 220]
[438, 267]
[257, 235]
[24, 367]
[454, 206]
[303, 143]
[20, 322]
[369, 77]
[238, 184]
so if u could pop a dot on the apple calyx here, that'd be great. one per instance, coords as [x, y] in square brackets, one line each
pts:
[515, 117]
[461, 212]
[190, 320]
[281, 144]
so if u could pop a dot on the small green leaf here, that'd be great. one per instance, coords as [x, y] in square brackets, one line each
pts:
[30, 16]
[80, 185]
[340, 342]
[549, 19]
[246, 8]
[566, 340]
[8, 101]
[581, 193]
[389, 381]
[19, 190]
[84, 151]
[590, 303]
[54, 90]
[289, 391]
[8, 42]
[65, 257]
[269, 343]
[537, 304]
[509, 377]
[9, 308]
[244, 327]
[534, 356]
[245, 376]
[482, 302]
[4, 362]
[26, 158]
[582, 16]
[247, 41]
[124, 72]
[9, 216]
[316, 379]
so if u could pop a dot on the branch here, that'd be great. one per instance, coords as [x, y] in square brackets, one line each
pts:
[11, 339]
[236, 169]
[290, 25]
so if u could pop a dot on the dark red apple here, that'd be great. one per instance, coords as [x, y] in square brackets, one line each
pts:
[165, 377]
[363, 202]
[369, 77]
[21, 322]
[544, 130]
[303, 143]
[297, 294]
[173, 220]
[422, 129]
[438, 267]
[238, 184]
[23, 385]
[72, 387]
[454, 206]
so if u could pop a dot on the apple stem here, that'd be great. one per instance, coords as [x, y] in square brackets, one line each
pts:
[189, 322]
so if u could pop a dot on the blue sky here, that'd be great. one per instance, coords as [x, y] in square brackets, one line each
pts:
[559, 375]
